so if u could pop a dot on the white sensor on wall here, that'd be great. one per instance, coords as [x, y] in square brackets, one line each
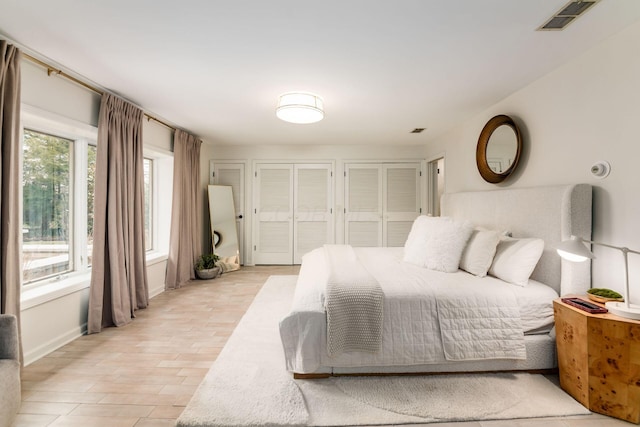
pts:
[601, 169]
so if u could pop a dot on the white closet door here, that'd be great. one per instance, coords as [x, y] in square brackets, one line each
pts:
[273, 214]
[313, 211]
[363, 204]
[233, 174]
[401, 201]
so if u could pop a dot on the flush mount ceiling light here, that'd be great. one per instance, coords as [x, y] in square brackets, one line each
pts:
[300, 107]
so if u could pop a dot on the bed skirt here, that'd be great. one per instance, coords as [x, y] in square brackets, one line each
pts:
[541, 356]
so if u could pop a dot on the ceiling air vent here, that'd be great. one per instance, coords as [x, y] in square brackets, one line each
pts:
[567, 14]
[417, 130]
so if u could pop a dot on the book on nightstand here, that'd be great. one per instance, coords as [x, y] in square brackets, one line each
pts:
[584, 305]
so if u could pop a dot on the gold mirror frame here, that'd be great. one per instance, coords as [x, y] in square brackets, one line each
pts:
[481, 150]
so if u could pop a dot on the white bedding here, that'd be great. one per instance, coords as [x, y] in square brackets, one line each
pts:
[410, 336]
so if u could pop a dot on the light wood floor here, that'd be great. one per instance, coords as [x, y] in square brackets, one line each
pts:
[142, 374]
[145, 373]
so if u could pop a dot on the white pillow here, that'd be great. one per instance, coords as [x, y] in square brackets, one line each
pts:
[437, 243]
[416, 242]
[515, 259]
[479, 251]
[416, 245]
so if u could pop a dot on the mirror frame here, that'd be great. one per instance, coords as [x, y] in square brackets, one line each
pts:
[481, 150]
[222, 217]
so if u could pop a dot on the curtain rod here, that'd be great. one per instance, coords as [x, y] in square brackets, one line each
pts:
[57, 72]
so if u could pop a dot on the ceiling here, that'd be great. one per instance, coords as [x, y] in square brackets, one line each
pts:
[216, 67]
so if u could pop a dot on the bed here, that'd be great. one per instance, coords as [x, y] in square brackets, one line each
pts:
[427, 324]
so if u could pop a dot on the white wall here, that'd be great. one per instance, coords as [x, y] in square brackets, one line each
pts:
[340, 154]
[48, 323]
[583, 112]
[58, 95]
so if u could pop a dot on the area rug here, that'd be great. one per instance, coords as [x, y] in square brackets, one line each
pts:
[249, 386]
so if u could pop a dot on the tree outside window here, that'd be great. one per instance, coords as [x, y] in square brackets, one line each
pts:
[91, 181]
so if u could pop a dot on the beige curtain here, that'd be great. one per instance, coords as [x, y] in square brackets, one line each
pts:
[118, 273]
[11, 179]
[186, 227]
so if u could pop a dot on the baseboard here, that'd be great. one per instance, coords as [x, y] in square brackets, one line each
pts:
[154, 292]
[54, 344]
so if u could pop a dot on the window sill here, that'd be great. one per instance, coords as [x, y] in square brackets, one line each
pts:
[55, 289]
[154, 257]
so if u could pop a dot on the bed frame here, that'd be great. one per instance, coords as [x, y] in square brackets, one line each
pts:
[551, 213]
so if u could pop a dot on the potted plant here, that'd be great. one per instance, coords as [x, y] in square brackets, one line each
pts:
[206, 266]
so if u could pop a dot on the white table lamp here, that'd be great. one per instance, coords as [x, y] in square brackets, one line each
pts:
[575, 250]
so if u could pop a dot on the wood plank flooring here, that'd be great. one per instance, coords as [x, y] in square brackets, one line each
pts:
[142, 374]
[145, 373]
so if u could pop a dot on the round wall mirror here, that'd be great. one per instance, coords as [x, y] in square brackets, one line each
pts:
[499, 148]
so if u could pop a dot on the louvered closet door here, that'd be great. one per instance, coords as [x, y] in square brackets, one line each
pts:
[274, 214]
[401, 206]
[233, 174]
[313, 212]
[363, 204]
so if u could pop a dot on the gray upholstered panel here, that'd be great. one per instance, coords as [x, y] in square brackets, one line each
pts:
[551, 213]
[9, 370]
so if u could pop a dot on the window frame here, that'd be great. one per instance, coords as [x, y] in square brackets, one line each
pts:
[152, 210]
[81, 135]
[70, 252]
[161, 177]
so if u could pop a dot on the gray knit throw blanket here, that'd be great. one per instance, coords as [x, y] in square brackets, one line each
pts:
[354, 304]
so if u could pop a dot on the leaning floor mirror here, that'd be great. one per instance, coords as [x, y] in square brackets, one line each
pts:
[223, 227]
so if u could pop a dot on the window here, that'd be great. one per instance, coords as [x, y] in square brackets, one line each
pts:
[58, 174]
[57, 197]
[47, 227]
[158, 187]
[148, 203]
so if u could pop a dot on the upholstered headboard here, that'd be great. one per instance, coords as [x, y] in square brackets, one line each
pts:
[550, 213]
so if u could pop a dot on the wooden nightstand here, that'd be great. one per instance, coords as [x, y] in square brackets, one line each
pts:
[599, 360]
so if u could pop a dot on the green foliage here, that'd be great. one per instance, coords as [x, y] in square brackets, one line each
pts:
[92, 151]
[46, 186]
[206, 261]
[603, 292]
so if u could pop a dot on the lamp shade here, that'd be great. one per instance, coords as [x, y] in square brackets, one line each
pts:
[574, 250]
[300, 107]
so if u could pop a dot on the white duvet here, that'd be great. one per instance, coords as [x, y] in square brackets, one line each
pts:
[429, 316]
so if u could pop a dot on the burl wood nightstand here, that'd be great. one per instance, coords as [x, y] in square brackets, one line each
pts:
[599, 360]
